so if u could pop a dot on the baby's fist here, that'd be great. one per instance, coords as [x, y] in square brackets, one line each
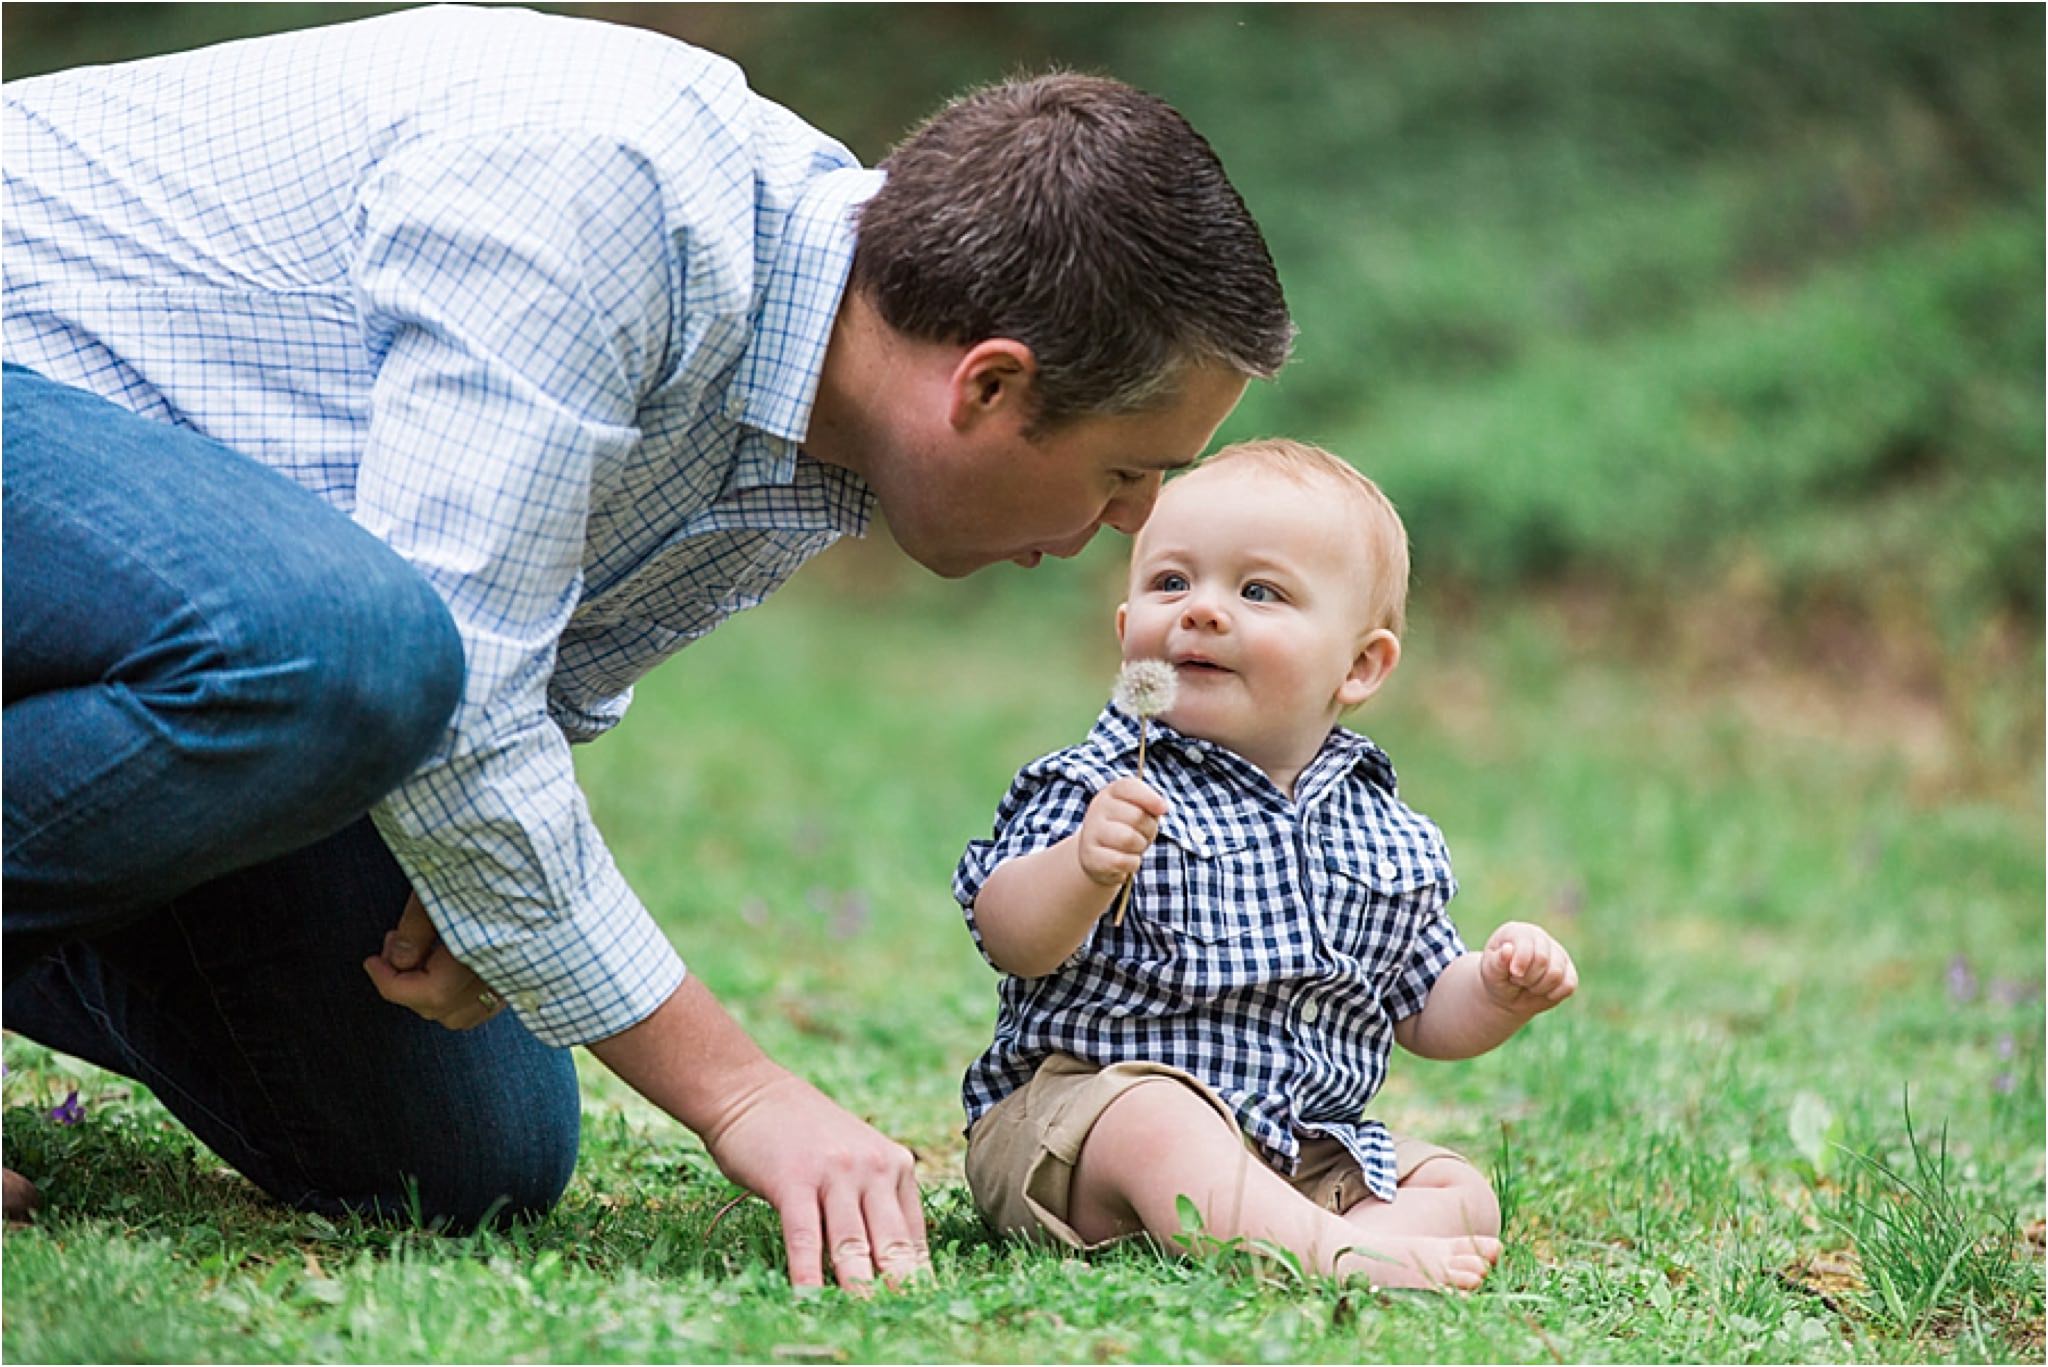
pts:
[1120, 825]
[1525, 971]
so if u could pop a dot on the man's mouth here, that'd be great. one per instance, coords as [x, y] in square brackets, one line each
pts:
[1029, 560]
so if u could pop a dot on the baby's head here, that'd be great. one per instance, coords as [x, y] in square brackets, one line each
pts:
[1274, 578]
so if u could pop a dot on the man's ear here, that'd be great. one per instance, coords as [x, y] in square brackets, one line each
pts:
[1377, 656]
[992, 379]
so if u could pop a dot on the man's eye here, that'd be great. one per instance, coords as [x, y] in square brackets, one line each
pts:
[1171, 583]
[1256, 592]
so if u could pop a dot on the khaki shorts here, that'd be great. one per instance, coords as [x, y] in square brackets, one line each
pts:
[1021, 1153]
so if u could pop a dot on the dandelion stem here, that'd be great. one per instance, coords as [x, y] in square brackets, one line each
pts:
[1124, 898]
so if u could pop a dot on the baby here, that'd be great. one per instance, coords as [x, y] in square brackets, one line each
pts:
[1286, 925]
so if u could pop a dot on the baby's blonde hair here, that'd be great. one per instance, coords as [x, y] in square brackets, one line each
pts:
[1383, 539]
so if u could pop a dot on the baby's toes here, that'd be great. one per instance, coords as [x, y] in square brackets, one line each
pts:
[1464, 1271]
[1486, 1247]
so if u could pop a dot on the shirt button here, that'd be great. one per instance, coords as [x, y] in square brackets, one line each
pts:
[1310, 1012]
[1387, 869]
[526, 1001]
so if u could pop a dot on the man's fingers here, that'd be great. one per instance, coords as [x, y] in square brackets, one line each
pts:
[846, 1238]
[415, 937]
[803, 1241]
[896, 1230]
[410, 990]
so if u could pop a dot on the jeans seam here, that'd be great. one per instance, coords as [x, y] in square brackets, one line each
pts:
[298, 1159]
[161, 1082]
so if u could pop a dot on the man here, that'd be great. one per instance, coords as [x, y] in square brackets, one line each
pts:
[552, 331]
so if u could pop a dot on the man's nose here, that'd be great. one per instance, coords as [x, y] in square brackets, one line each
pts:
[1128, 510]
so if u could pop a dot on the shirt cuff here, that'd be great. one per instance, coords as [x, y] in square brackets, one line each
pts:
[601, 969]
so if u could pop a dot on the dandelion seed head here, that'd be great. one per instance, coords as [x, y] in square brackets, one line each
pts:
[1145, 688]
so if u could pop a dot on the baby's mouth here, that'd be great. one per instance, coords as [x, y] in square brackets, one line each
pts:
[1194, 665]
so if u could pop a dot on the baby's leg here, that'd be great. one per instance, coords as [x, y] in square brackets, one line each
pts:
[1445, 1196]
[1159, 1141]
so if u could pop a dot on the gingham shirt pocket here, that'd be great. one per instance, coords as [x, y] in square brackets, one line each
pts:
[1380, 898]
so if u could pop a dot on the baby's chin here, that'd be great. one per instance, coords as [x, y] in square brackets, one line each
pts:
[1191, 723]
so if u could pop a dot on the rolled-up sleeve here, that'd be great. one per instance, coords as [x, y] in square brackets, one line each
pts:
[515, 298]
[1043, 807]
[1437, 946]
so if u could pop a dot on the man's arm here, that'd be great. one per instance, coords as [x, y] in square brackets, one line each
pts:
[506, 376]
[1036, 909]
[1483, 998]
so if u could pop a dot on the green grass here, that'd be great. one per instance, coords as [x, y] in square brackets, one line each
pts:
[1705, 1156]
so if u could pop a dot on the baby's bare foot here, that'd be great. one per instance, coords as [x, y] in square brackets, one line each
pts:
[1423, 1262]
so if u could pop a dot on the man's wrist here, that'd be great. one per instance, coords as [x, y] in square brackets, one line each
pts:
[691, 1059]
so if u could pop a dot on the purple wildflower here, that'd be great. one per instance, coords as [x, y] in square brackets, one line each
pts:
[69, 1111]
[1962, 980]
[2012, 991]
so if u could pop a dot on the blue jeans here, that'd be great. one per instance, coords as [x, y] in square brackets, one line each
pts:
[210, 675]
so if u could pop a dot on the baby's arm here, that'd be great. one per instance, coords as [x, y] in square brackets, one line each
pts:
[1483, 998]
[1036, 909]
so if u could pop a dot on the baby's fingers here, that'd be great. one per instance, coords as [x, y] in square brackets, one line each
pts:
[1139, 794]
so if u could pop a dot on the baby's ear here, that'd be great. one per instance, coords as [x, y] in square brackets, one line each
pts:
[1123, 613]
[1378, 654]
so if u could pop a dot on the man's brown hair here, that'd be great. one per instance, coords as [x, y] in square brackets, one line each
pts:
[1086, 220]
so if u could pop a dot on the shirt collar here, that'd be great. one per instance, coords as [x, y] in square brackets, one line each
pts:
[777, 380]
[1343, 751]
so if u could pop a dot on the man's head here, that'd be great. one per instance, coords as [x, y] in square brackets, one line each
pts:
[1056, 296]
[1274, 579]
[1087, 221]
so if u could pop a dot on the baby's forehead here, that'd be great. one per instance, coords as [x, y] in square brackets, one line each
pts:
[1306, 486]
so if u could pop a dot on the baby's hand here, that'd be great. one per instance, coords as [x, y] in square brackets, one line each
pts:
[1121, 823]
[1525, 971]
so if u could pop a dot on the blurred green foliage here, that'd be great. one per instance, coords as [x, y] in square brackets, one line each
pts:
[1655, 296]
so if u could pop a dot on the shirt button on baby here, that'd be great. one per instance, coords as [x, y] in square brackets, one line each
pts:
[1387, 869]
[1310, 1011]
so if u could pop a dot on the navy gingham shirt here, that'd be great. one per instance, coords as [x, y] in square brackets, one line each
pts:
[1269, 947]
[542, 302]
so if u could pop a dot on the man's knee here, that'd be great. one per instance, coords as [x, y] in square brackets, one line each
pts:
[393, 674]
[495, 1190]
[501, 1150]
[350, 667]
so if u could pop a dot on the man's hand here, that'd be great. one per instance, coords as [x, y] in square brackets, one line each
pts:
[416, 971]
[843, 1191]
[846, 1194]
[1120, 825]
[1525, 971]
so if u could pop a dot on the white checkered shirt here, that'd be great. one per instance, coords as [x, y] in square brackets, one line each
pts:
[1269, 947]
[542, 303]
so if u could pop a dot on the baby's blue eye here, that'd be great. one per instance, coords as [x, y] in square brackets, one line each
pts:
[1261, 593]
[1173, 583]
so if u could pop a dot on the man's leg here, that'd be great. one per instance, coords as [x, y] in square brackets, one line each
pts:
[205, 665]
[244, 1006]
[206, 669]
